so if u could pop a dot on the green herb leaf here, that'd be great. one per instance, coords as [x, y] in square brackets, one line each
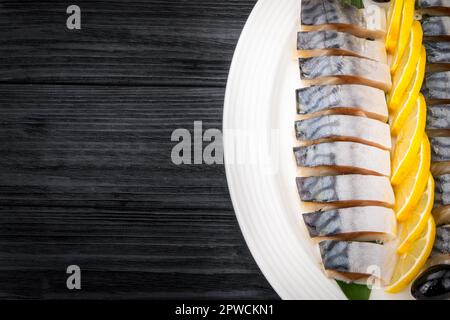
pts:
[355, 291]
[357, 3]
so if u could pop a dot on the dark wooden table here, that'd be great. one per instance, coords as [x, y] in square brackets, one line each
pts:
[86, 178]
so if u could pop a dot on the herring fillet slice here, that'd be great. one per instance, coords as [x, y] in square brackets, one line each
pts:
[345, 157]
[346, 98]
[345, 70]
[437, 51]
[432, 3]
[438, 117]
[436, 27]
[368, 223]
[348, 190]
[353, 261]
[331, 42]
[440, 149]
[442, 190]
[438, 120]
[442, 242]
[437, 86]
[336, 15]
[433, 7]
[440, 155]
[343, 128]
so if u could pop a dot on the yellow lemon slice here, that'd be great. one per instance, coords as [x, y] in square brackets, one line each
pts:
[408, 142]
[409, 264]
[410, 190]
[409, 99]
[414, 226]
[404, 74]
[394, 18]
[404, 33]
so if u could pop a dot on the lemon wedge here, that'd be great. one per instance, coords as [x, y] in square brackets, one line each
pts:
[404, 74]
[414, 226]
[394, 18]
[407, 18]
[409, 264]
[408, 142]
[409, 99]
[410, 190]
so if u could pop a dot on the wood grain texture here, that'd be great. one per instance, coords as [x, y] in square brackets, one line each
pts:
[147, 42]
[85, 171]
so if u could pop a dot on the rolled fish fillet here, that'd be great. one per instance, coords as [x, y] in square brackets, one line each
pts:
[347, 190]
[433, 7]
[436, 27]
[343, 128]
[442, 190]
[345, 70]
[437, 87]
[357, 223]
[438, 121]
[354, 261]
[342, 157]
[331, 42]
[350, 99]
[336, 15]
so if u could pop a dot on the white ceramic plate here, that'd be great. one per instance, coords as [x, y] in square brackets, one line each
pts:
[258, 121]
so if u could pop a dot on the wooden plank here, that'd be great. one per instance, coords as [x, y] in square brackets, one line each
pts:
[152, 42]
[86, 178]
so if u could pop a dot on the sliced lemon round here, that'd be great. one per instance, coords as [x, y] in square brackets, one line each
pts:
[409, 192]
[408, 142]
[404, 74]
[414, 226]
[404, 33]
[409, 264]
[409, 99]
[394, 19]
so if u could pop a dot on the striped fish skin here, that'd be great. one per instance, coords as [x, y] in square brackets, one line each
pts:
[351, 188]
[442, 241]
[319, 12]
[316, 99]
[438, 118]
[317, 70]
[432, 3]
[433, 7]
[331, 42]
[440, 149]
[369, 223]
[350, 257]
[437, 86]
[438, 51]
[436, 26]
[344, 127]
[350, 156]
[442, 190]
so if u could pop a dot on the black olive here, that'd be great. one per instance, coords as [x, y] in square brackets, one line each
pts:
[434, 283]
